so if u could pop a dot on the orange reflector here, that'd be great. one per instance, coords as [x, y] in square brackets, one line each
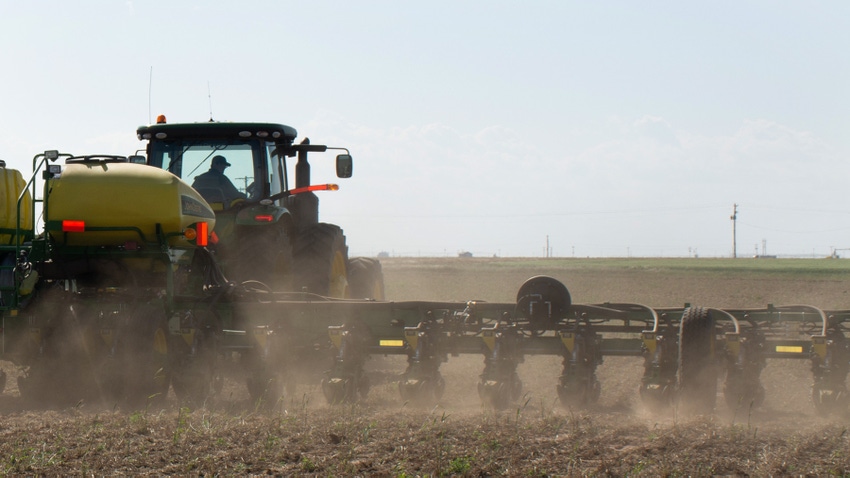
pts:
[315, 187]
[203, 234]
[190, 234]
[73, 226]
[264, 218]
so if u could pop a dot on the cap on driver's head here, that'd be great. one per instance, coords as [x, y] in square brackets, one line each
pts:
[219, 160]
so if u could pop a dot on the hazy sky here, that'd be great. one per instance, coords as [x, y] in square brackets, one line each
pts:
[613, 128]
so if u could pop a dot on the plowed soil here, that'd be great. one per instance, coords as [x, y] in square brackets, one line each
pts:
[537, 437]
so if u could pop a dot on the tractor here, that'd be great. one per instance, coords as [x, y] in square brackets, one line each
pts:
[267, 232]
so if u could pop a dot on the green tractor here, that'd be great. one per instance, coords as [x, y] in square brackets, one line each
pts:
[267, 233]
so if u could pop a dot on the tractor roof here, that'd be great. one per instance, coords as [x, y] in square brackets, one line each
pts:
[214, 130]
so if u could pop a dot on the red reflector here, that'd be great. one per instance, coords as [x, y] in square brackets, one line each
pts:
[203, 234]
[214, 237]
[73, 226]
[264, 218]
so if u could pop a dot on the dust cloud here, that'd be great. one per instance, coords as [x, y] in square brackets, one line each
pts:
[618, 423]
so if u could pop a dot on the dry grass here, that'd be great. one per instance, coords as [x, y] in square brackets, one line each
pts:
[382, 437]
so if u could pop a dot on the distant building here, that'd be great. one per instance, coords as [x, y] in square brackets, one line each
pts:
[464, 254]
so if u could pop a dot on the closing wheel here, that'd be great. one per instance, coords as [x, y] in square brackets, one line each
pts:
[828, 401]
[268, 378]
[195, 368]
[829, 391]
[657, 397]
[575, 392]
[63, 362]
[495, 395]
[149, 369]
[697, 373]
[339, 390]
[266, 388]
[320, 261]
[741, 393]
[422, 392]
[136, 368]
[366, 278]
[578, 386]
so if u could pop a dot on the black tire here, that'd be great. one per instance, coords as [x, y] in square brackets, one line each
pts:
[268, 378]
[7, 278]
[339, 390]
[64, 369]
[579, 388]
[264, 254]
[320, 261]
[829, 391]
[266, 389]
[195, 368]
[697, 373]
[147, 369]
[422, 392]
[366, 278]
[495, 395]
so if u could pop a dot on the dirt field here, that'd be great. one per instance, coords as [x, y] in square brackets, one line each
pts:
[537, 437]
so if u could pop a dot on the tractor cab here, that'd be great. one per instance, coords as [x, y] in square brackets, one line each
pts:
[234, 165]
[253, 157]
[245, 171]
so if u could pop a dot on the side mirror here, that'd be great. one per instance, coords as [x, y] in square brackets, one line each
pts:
[344, 165]
[137, 159]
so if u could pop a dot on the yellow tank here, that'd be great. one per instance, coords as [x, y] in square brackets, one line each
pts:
[12, 184]
[122, 195]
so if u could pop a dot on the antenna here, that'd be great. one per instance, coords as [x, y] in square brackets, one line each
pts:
[150, 87]
[209, 96]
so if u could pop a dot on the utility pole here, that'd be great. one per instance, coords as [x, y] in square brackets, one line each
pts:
[734, 219]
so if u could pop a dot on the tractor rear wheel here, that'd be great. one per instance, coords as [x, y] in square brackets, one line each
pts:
[320, 259]
[366, 278]
[697, 374]
[264, 255]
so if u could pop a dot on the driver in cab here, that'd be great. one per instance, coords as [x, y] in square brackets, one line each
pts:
[214, 186]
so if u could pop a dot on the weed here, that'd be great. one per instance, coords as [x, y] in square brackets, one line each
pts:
[364, 435]
[520, 409]
[307, 465]
[460, 465]
[182, 423]
[271, 442]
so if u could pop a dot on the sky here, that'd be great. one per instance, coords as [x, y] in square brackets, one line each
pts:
[600, 129]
